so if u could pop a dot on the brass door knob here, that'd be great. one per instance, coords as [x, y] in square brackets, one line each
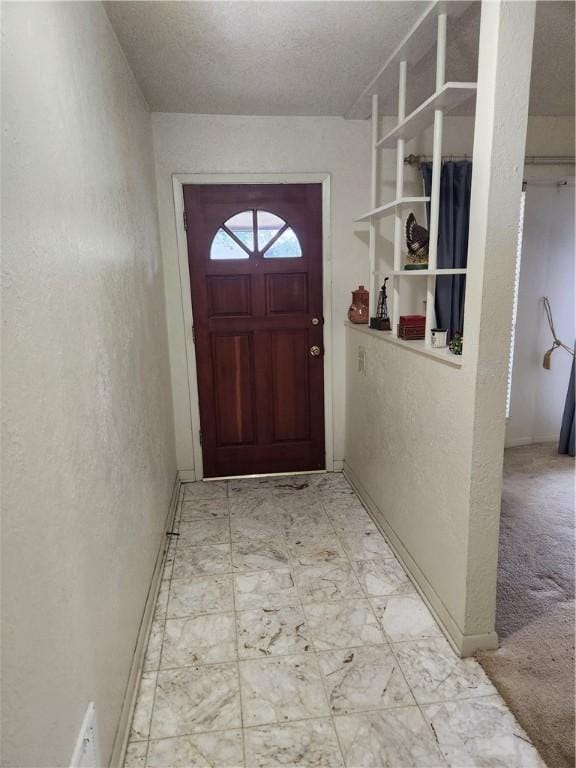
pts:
[315, 351]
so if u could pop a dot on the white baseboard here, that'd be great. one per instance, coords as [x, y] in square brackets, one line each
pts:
[464, 645]
[518, 441]
[187, 475]
[125, 720]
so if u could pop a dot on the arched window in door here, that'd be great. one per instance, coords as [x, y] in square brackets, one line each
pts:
[252, 233]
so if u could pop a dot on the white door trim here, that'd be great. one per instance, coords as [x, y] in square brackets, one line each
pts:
[178, 181]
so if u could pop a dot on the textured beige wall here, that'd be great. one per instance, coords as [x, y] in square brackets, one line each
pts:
[408, 445]
[88, 458]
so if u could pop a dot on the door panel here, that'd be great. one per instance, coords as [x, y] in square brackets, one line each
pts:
[255, 255]
[229, 296]
[232, 360]
[290, 400]
[286, 294]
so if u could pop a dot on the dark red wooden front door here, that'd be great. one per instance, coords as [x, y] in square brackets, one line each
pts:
[255, 254]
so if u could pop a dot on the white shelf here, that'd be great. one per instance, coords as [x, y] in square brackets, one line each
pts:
[447, 98]
[390, 208]
[437, 272]
[419, 346]
[422, 272]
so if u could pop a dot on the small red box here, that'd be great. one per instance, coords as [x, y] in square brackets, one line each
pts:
[406, 320]
[411, 332]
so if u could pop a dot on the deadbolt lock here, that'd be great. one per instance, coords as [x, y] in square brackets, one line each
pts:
[315, 351]
[315, 321]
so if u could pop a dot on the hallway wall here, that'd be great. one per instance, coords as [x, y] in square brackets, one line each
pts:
[88, 457]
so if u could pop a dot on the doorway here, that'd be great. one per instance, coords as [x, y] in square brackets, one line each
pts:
[255, 260]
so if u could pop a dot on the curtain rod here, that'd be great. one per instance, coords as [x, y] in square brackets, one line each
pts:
[547, 183]
[529, 160]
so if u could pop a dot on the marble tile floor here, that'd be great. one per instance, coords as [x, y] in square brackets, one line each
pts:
[287, 634]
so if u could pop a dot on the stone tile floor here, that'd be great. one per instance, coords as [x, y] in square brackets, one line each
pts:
[287, 634]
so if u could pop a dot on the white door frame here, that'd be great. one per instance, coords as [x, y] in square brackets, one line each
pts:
[178, 182]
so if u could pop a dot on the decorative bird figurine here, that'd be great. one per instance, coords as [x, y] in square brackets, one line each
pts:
[417, 241]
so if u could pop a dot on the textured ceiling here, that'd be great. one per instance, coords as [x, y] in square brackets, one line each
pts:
[311, 58]
[552, 83]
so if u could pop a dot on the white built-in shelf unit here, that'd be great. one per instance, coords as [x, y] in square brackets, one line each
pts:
[430, 28]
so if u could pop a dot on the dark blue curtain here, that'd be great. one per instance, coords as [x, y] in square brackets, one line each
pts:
[455, 185]
[566, 444]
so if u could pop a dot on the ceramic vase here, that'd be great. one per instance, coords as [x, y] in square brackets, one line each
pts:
[358, 312]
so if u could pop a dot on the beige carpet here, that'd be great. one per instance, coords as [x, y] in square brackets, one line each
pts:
[534, 667]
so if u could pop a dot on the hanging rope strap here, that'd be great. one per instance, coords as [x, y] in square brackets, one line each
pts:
[557, 343]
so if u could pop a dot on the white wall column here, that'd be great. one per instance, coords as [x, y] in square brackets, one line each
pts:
[505, 60]
[375, 165]
[433, 224]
